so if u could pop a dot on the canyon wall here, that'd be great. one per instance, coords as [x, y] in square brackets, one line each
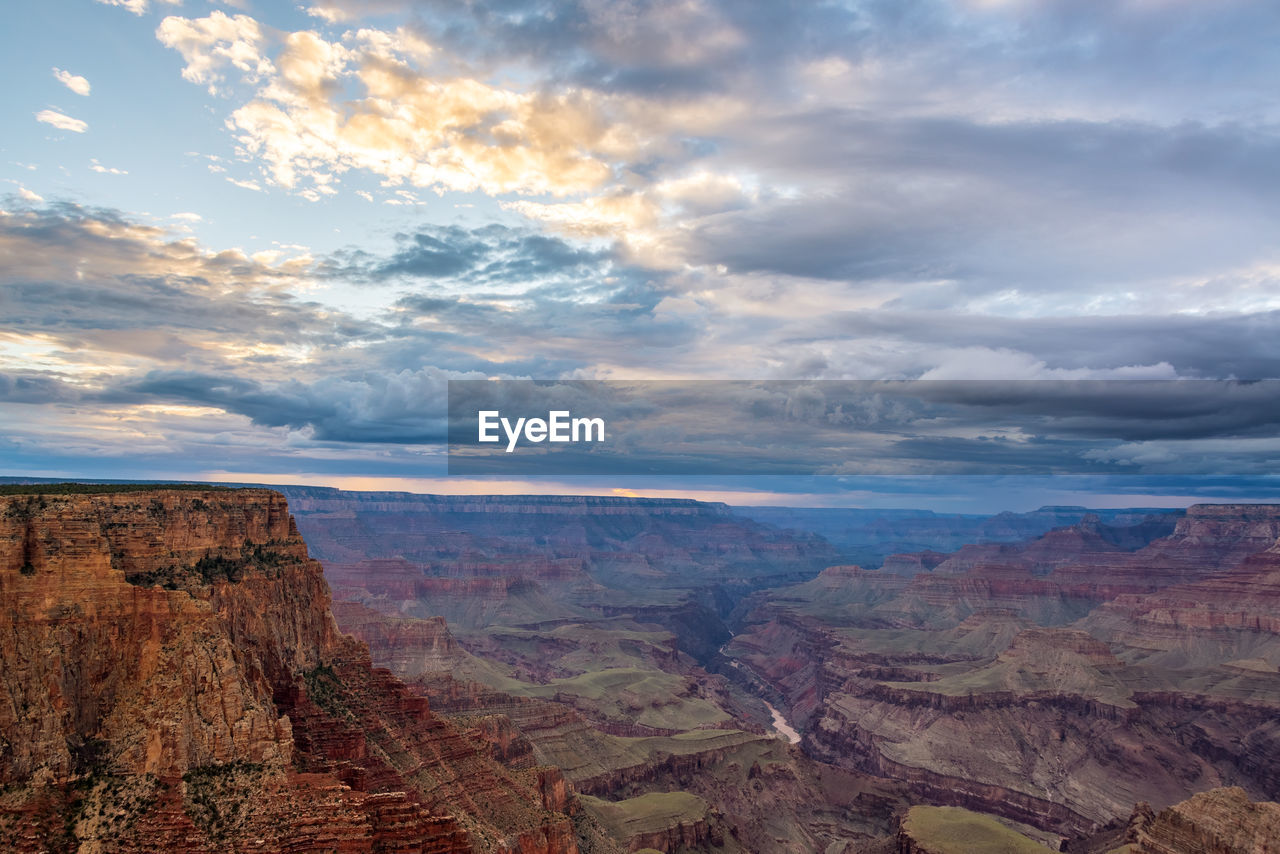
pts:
[1054, 682]
[174, 678]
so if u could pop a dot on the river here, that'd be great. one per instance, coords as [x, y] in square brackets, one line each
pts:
[781, 725]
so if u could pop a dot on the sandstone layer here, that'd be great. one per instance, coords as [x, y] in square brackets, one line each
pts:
[1053, 682]
[174, 679]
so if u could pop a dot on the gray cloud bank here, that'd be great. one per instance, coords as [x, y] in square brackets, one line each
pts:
[129, 317]
[1201, 427]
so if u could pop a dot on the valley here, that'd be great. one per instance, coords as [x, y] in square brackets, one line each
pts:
[385, 671]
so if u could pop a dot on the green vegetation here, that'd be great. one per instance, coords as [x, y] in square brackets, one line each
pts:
[259, 558]
[110, 806]
[65, 817]
[953, 830]
[583, 753]
[217, 794]
[646, 813]
[104, 488]
[26, 510]
[648, 697]
[325, 690]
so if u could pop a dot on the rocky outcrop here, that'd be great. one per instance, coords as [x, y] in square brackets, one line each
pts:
[94, 654]
[485, 560]
[873, 537]
[1246, 598]
[912, 563]
[1169, 685]
[1221, 821]
[174, 679]
[407, 647]
[699, 834]
[1060, 576]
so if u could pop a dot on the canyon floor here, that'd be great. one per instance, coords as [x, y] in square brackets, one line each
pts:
[212, 669]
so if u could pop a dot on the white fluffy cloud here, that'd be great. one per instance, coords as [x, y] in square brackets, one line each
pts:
[137, 7]
[385, 102]
[61, 121]
[106, 170]
[209, 44]
[74, 82]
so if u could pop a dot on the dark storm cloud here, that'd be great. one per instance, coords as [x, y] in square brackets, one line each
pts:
[400, 408]
[977, 427]
[231, 336]
[550, 303]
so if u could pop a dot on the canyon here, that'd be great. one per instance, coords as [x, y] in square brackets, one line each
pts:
[174, 679]
[208, 669]
[1054, 682]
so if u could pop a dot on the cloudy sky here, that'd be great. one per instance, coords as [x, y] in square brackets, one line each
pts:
[253, 241]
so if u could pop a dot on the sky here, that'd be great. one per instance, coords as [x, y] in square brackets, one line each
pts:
[253, 241]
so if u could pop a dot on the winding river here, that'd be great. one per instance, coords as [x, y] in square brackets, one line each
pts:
[781, 725]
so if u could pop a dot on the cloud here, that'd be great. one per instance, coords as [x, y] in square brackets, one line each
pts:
[106, 170]
[28, 196]
[848, 143]
[121, 315]
[385, 102]
[396, 408]
[61, 122]
[137, 7]
[701, 188]
[487, 257]
[74, 82]
[1053, 57]
[995, 427]
[105, 281]
[127, 328]
[209, 44]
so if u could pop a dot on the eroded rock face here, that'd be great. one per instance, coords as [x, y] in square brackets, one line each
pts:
[155, 673]
[1221, 821]
[174, 679]
[486, 560]
[1056, 687]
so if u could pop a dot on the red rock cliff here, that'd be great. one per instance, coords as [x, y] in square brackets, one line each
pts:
[174, 679]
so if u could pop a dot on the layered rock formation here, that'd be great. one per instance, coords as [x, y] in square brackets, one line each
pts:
[1081, 673]
[750, 786]
[505, 560]
[870, 537]
[1221, 821]
[174, 679]
[954, 830]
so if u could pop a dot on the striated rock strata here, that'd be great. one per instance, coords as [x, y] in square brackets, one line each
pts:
[1221, 821]
[1080, 674]
[174, 679]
